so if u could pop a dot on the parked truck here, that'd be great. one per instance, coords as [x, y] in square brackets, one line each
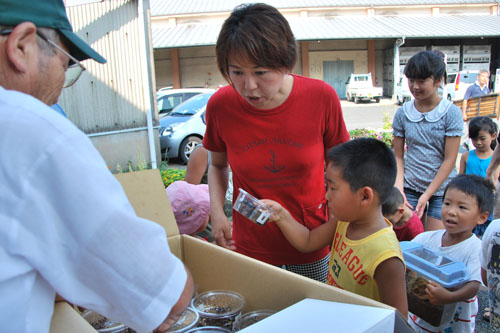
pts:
[360, 87]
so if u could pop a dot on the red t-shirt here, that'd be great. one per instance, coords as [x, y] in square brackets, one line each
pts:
[278, 154]
[410, 229]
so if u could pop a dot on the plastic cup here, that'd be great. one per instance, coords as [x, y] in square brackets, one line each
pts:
[219, 308]
[189, 319]
[251, 318]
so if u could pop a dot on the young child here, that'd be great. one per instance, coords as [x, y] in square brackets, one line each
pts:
[405, 222]
[468, 200]
[431, 127]
[482, 132]
[490, 271]
[365, 258]
[191, 206]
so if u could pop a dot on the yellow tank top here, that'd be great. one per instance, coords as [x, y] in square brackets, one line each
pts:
[353, 262]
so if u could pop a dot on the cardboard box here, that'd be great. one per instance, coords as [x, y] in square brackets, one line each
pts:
[263, 286]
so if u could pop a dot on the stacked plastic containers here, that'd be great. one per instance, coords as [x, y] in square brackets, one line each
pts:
[423, 265]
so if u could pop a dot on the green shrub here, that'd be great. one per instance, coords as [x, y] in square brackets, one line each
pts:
[383, 135]
[170, 175]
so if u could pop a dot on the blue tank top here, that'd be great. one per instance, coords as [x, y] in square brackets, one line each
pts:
[476, 165]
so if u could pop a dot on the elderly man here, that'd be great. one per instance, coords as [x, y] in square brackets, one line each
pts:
[66, 225]
[479, 88]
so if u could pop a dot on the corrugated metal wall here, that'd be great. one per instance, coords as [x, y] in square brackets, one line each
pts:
[109, 97]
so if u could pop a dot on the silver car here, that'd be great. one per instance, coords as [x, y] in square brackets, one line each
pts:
[168, 98]
[184, 127]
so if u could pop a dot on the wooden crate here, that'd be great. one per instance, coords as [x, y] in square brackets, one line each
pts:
[486, 105]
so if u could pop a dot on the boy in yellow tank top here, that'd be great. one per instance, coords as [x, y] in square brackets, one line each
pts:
[365, 255]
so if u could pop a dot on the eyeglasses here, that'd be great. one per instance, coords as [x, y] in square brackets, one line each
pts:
[74, 69]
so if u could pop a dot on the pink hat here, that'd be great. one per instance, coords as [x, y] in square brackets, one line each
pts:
[190, 203]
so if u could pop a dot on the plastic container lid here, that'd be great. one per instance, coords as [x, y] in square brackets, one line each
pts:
[206, 329]
[433, 265]
[218, 303]
[189, 318]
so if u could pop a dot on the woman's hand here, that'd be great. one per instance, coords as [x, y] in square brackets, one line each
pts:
[222, 232]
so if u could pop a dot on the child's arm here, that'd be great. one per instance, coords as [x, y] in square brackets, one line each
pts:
[390, 278]
[399, 151]
[451, 146]
[298, 235]
[398, 144]
[463, 162]
[439, 295]
[484, 276]
[494, 167]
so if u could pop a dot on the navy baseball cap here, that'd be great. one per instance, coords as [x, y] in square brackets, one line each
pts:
[47, 14]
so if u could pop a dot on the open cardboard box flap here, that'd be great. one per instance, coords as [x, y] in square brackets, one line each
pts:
[214, 268]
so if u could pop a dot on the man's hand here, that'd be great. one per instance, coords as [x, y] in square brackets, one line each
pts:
[178, 308]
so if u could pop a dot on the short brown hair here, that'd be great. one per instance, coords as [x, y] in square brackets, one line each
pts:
[259, 33]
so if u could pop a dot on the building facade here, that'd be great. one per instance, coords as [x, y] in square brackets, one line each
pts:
[336, 38]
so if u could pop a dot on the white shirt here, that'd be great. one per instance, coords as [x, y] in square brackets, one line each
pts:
[66, 226]
[468, 252]
[490, 262]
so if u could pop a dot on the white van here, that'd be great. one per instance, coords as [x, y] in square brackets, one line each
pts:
[403, 93]
[457, 84]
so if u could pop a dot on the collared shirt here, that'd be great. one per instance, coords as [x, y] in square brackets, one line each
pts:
[475, 90]
[66, 226]
[425, 136]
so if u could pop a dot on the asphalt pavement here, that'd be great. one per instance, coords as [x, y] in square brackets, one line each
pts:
[368, 114]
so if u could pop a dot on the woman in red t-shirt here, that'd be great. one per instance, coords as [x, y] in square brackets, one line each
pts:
[273, 128]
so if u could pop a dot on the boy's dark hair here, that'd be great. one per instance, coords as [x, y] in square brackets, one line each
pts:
[393, 202]
[425, 64]
[259, 33]
[478, 187]
[365, 162]
[485, 124]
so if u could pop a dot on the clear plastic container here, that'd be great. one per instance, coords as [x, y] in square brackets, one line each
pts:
[189, 319]
[251, 318]
[103, 324]
[424, 265]
[251, 208]
[219, 308]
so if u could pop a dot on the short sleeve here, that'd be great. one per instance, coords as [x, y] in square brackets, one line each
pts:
[468, 92]
[474, 266]
[397, 123]
[487, 242]
[335, 131]
[212, 140]
[454, 122]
